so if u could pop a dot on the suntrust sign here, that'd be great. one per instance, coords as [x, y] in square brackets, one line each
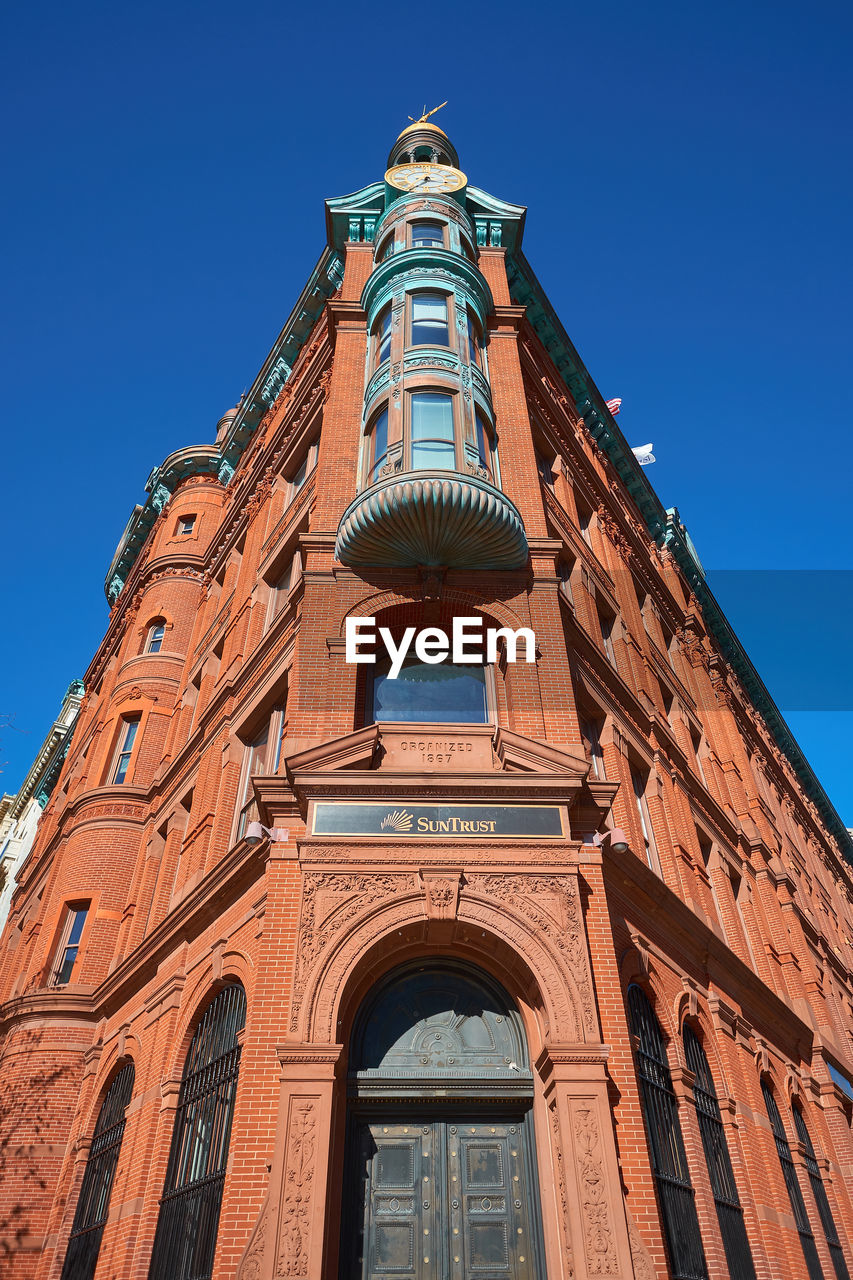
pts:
[469, 642]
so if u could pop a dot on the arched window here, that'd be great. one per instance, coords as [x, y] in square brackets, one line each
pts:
[156, 632]
[827, 1221]
[795, 1195]
[666, 1143]
[430, 693]
[185, 1242]
[720, 1171]
[84, 1243]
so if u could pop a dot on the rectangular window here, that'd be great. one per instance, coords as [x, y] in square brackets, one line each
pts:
[186, 525]
[565, 568]
[584, 523]
[382, 335]
[606, 622]
[473, 342]
[303, 472]
[591, 734]
[696, 739]
[639, 783]
[432, 432]
[484, 443]
[126, 740]
[429, 320]
[261, 756]
[545, 467]
[284, 584]
[69, 945]
[378, 445]
[427, 235]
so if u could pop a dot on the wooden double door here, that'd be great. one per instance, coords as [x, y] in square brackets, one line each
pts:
[442, 1199]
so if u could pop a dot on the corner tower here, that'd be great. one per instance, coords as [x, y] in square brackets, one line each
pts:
[429, 487]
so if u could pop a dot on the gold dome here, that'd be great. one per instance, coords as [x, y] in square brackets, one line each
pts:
[421, 124]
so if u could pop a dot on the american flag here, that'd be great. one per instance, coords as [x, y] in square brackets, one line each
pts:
[614, 406]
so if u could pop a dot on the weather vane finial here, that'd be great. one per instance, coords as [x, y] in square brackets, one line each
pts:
[426, 114]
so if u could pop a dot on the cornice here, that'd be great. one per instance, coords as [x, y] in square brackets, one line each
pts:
[220, 462]
[665, 527]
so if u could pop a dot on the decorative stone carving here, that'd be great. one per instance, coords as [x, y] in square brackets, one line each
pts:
[557, 1150]
[330, 901]
[599, 1245]
[442, 893]
[295, 1221]
[643, 1268]
[551, 903]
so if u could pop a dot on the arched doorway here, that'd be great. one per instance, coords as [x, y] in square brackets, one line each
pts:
[440, 1180]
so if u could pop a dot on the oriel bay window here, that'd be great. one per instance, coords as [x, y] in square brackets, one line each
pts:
[429, 324]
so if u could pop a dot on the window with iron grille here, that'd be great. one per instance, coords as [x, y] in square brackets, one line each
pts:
[795, 1195]
[185, 1241]
[666, 1143]
[720, 1171]
[821, 1198]
[93, 1205]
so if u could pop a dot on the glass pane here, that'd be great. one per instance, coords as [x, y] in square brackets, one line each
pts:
[439, 694]
[129, 735]
[483, 445]
[473, 342]
[432, 416]
[77, 926]
[433, 455]
[383, 331]
[379, 444]
[427, 233]
[68, 958]
[429, 320]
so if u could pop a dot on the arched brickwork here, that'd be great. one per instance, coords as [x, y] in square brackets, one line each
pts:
[502, 934]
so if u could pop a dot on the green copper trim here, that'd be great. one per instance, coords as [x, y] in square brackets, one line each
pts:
[426, 269]
[665, 527]
[432, 518]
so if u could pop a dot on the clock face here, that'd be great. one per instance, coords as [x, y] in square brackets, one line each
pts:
[426, 178]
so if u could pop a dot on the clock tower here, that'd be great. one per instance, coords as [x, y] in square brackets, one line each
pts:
[423, 159]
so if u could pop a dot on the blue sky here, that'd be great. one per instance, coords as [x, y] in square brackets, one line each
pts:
[687, 173]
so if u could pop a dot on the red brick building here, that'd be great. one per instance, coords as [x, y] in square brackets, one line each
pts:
[545, 967]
